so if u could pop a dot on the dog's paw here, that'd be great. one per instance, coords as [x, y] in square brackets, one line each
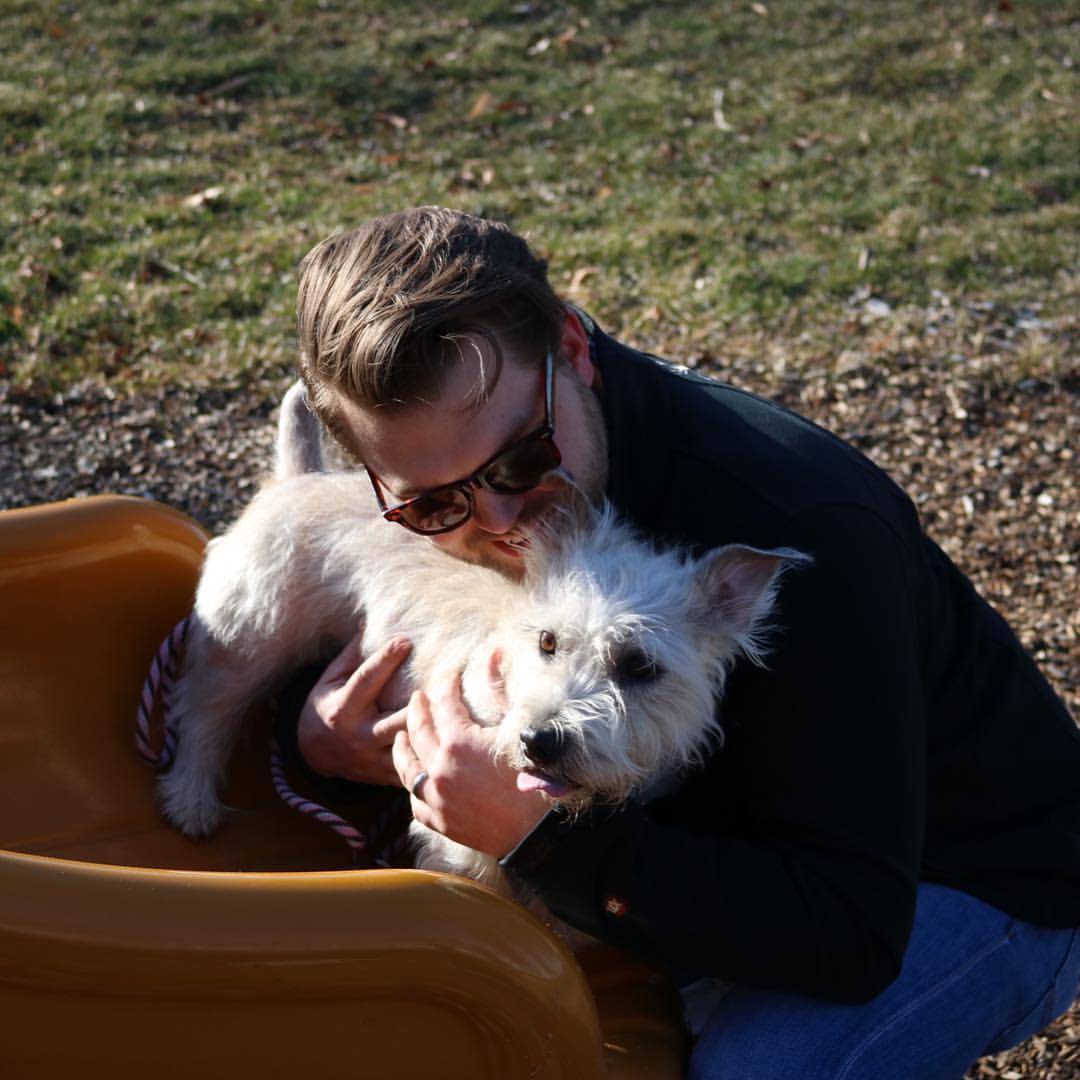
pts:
[190, 804]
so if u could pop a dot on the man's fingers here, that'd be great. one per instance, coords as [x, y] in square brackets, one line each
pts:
[389, 725]
[406, 763]
[450, 713]
[345, 663]
[371, 677]
[420, 726]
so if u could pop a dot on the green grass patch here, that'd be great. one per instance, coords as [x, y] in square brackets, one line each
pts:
[689, 169]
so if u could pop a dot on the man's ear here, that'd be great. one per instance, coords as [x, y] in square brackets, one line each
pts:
[575, 347]
[738, 585]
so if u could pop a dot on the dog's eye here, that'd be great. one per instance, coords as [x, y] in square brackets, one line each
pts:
[548, 644]
[634, 666]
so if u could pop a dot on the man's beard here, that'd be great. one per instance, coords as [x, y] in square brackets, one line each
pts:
[593, 474]
[590, 480]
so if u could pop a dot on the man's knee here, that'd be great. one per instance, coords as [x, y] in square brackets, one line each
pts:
[766, 1036]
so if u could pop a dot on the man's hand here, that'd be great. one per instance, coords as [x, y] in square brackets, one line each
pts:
[343, 731]
[468, 795]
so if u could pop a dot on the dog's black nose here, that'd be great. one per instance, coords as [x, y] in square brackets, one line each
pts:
[543, 745]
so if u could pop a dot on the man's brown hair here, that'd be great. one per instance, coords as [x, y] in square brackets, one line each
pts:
[379, 306]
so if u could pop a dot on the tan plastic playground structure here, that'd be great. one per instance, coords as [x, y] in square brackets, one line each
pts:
[128, 950]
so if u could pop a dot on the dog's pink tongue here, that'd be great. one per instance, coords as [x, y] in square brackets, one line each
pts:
[527, 781]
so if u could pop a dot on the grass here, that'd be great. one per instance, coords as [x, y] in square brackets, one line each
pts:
[697, 174]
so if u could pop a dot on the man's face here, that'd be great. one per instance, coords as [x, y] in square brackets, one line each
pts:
[445, 440]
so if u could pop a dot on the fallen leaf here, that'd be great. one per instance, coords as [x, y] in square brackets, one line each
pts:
[201, 198]
[718, 112]
[399, 123]
[1045, 193]
[229, 85]
[581, 275]
[481, 105]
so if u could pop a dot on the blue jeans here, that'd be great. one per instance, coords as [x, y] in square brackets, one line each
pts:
[975, 981]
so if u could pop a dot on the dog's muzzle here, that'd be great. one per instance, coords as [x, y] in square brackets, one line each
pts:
[544, 746]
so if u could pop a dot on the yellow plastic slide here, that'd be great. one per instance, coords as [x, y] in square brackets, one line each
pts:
[127, 950]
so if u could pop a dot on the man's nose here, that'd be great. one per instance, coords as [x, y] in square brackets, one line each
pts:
[496, 513]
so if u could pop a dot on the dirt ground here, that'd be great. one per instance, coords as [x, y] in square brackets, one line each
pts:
[989, 460]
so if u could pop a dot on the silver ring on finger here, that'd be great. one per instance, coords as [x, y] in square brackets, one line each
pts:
[418, 783]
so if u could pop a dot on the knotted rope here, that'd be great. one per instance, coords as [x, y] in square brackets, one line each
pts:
[352, 836]
[159, 683]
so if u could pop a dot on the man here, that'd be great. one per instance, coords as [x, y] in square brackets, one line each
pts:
[884, 857]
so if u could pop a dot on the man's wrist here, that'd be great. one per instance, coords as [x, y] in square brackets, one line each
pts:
[524, 839]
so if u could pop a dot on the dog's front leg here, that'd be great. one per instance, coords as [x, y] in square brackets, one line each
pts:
[436, 852]
[206, 707]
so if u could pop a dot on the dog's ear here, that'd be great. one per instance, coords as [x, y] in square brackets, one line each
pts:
[299, 439]
[738, 585]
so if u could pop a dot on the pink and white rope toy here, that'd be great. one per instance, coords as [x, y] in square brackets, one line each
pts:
[160, 680]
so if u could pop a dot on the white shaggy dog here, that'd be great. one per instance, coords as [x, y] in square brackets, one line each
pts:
[610, 654]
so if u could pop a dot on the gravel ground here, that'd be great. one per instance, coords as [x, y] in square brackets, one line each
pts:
[989, 459]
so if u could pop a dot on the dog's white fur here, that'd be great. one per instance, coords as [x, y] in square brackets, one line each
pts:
[642, 638]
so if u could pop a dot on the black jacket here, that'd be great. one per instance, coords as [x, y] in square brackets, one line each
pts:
[899, 733]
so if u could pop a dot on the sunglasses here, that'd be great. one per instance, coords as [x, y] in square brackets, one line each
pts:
[515, 469]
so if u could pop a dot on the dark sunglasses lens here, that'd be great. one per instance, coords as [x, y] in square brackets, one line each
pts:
[522, 466]
[437, 512]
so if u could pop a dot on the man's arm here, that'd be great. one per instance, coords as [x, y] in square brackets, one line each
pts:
[792, 860]
[810, 885]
